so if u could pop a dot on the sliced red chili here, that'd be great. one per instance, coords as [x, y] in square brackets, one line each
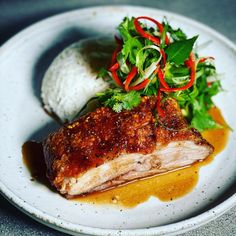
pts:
[163, 56]
[201, 60]
[209, 84]
[140, 86]
[119, 43]
[191, 65]
[114, 67]
[118, 40]
[130, 76]
[146, 35]
[116, 78]
[161, 77]
[114, 55]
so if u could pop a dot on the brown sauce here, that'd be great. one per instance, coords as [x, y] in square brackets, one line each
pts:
[165, 187]
[32, 153]
[168, 186]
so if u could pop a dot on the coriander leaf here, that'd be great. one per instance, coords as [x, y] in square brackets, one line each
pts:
[130, 49]
[202, 120]
[127, 28]
[124, 29]
[117, 107]
[118, 100]
[131, 99]
[179, 51]
[140, 60]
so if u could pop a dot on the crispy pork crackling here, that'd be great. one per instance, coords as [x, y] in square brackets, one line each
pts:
[104, 149]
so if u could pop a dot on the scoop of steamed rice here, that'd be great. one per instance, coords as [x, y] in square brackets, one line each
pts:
[71, 80]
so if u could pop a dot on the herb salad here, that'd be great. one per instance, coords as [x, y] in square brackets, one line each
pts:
[160, 61]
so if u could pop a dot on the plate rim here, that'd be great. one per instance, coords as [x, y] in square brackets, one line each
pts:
[75, 229]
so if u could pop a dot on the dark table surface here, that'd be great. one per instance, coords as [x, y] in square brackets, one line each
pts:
[18, 14]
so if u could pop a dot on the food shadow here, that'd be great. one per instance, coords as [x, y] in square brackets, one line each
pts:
[61, 41]
[33, 156]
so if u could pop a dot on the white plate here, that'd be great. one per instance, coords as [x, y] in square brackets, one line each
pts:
[24, 59]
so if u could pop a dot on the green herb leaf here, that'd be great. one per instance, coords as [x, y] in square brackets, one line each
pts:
[176, 34]
[201, 119]
[127, 29]
[179, 51]
[131, 100]
[130, 49]
[102, 73]
[117, 107]
[118, 100]
[122, 63]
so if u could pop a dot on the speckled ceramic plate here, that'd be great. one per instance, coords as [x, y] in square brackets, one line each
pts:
[24, 59]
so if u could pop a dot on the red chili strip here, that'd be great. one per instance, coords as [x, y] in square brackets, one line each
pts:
[191, 64]
[161, 77]
[114, 67]
[163, 56]
[116, 78]
[209, 84]
[146, 35]
[119, 43]
[201, 60]
[167, 41]
[114, 55]
[118, 40]
[130, 76]
[140, 86]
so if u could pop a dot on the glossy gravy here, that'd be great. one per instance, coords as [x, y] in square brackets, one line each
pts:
[166, 187]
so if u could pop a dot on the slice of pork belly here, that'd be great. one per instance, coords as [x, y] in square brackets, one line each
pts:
[105, 149]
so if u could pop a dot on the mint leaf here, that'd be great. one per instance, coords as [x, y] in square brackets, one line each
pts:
[179, 51]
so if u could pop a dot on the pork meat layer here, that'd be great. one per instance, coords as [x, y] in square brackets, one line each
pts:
[105, 149]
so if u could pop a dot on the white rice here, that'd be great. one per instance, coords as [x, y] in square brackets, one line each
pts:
[71, 80]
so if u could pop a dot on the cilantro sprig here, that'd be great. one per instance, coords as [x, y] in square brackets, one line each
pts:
[119, 100]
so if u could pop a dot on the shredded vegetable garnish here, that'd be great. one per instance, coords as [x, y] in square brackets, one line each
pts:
[152, 58]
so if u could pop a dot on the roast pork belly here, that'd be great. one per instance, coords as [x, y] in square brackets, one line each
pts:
[104, 149]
